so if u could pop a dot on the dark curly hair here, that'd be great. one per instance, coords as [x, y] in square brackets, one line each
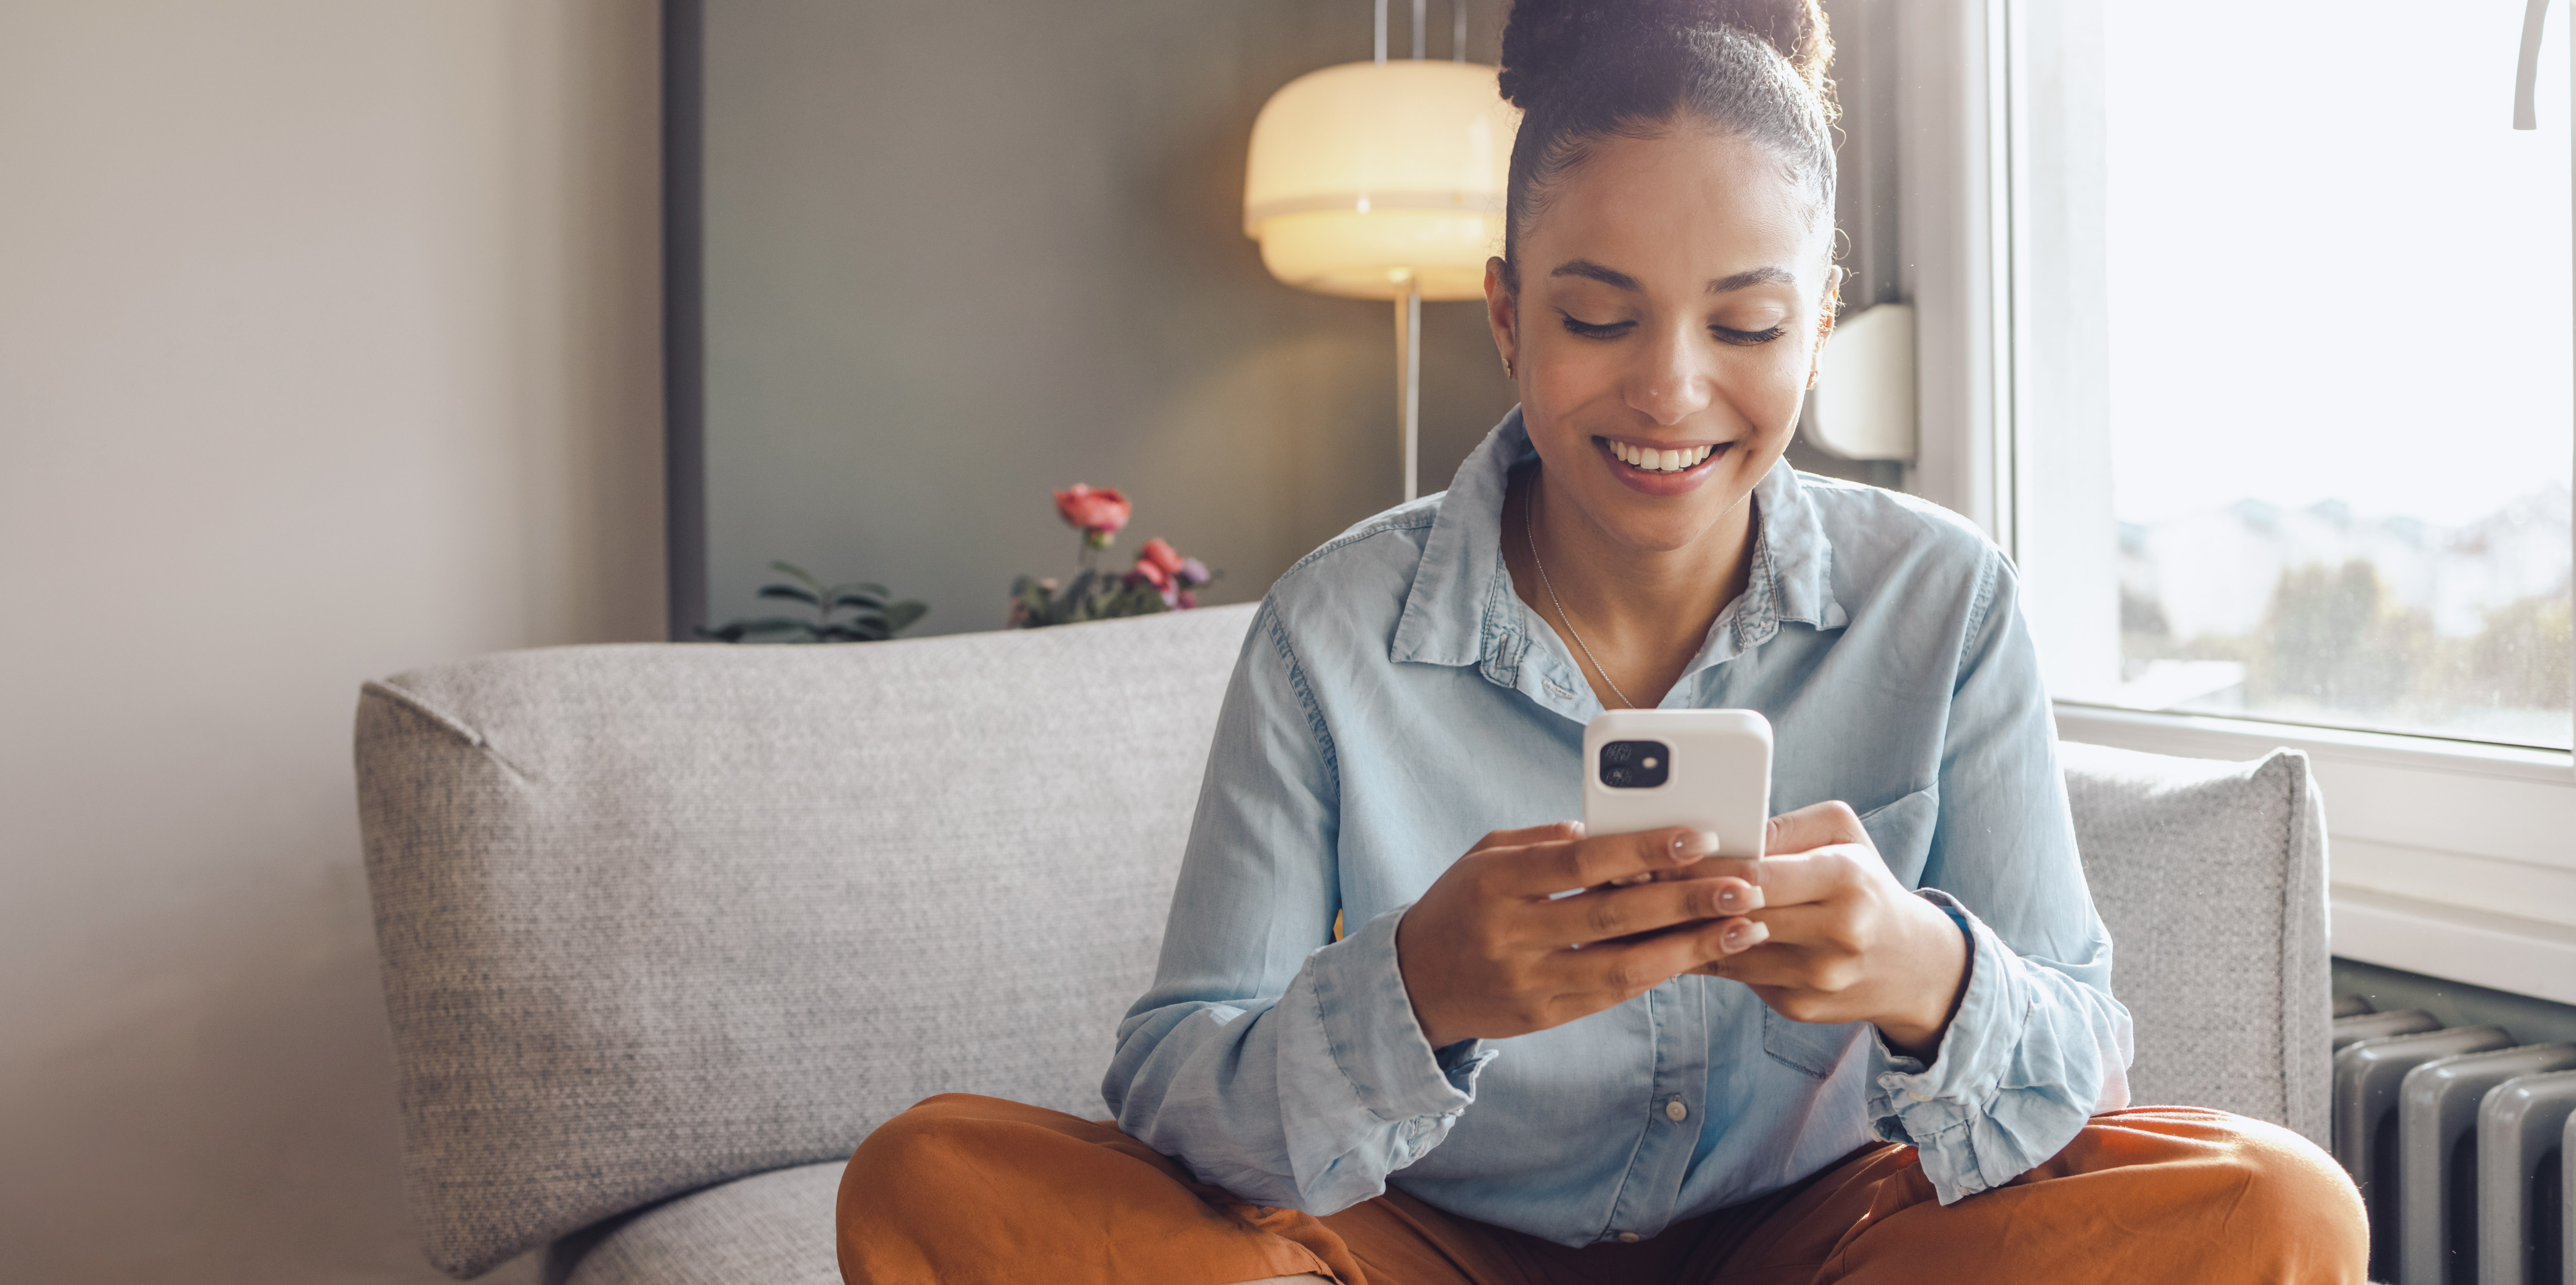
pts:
[1585, 70]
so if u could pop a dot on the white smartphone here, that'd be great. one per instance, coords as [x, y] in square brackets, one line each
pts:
[1708, 769]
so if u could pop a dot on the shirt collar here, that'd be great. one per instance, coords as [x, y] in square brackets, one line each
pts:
[1461, 609]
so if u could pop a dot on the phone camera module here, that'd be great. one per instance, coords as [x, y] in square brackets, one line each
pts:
[1636, 765]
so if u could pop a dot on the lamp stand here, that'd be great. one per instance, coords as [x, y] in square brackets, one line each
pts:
[1408, 380]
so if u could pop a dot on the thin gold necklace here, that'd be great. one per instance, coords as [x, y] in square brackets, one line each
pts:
[1529, 536]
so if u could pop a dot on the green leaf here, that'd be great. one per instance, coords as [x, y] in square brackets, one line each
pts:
[900, 616]
[789, 591]
[864, 601]
[789, 568]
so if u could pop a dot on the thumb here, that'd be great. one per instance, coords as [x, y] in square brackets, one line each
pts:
[1817, 825]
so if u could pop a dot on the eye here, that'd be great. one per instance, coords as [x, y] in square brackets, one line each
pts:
[1747, 338]
[1596, 330]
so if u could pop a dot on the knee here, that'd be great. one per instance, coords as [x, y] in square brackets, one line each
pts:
[2291, 1193]
[937, 1136]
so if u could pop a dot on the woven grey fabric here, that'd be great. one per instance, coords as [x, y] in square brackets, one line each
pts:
[772, 1229]
[652, 917]
[2211, 877]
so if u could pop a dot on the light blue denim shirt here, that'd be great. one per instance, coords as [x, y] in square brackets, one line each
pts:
[1396, 701]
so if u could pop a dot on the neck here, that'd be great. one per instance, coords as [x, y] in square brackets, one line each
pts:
[1642, 614]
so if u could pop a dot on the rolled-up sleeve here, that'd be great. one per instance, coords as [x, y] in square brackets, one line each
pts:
[1287, 1070]
[2038, 1044]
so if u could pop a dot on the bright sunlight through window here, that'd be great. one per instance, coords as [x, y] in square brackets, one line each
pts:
[2339, 332]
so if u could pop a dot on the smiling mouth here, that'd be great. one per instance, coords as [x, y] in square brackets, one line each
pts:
[1649, 460]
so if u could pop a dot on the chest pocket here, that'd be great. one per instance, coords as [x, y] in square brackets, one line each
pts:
[1815, 1050]
[1902, 832]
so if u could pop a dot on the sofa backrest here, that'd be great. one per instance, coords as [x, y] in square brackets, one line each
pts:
[653, 917]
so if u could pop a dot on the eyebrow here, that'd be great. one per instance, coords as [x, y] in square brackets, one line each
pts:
[1618, 280]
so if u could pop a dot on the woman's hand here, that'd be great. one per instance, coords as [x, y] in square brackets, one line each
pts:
[1487, 952]
[1848, 943]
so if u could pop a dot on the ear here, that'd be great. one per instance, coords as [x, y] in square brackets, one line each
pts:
[1502, 313]
[1825, 312]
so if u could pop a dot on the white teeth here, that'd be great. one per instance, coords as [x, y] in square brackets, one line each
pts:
[1655, 461]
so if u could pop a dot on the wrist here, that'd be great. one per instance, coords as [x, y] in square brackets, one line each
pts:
[1950, 953]
[1426, 1016]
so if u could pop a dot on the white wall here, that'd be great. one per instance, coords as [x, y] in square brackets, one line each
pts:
[328, 347]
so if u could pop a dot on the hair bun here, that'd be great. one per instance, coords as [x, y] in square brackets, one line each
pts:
[1544, 38]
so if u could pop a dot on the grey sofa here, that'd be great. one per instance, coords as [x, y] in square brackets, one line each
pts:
[667, 929]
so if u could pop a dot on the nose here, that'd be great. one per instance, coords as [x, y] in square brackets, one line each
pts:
[1671, 382]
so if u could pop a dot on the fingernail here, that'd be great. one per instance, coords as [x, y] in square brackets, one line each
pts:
[1736, 935]
[1732, 899]
[1695, 843]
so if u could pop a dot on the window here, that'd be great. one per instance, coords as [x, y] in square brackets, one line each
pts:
[2248, 329]
[2337, 294]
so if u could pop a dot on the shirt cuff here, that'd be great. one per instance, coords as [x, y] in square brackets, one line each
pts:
[1369, 1026]
[1937, 1109]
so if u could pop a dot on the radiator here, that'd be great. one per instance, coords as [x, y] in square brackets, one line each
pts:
[2463, 1143]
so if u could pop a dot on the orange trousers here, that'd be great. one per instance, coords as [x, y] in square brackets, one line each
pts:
[965, 1190]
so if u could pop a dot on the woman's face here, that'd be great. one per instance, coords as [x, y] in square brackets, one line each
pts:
[1671, 304]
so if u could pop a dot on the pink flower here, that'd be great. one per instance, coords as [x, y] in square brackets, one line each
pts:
[1161, 553]
[1097, 511]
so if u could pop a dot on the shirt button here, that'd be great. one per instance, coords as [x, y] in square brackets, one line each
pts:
[1628, 1238]
[1675, 1111]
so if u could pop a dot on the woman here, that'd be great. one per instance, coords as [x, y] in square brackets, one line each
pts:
[1887, 1051]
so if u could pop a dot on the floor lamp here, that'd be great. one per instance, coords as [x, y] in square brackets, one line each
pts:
[1384, 180]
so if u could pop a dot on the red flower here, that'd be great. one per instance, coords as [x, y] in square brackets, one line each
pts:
[1092, 509]
[1151, 573]
[1160, 552]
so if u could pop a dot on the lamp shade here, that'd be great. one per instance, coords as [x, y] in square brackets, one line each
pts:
[1368, 173]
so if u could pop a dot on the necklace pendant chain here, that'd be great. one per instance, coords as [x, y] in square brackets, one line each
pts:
[1529, 536]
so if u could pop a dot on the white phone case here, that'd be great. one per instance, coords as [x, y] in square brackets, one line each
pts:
[1718, 775]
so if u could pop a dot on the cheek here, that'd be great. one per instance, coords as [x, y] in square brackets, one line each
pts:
[1770, 389]
[1562, 379]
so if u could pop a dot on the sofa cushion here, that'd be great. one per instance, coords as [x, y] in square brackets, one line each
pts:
[769, 1229]
[2211, 878]
[653, 917]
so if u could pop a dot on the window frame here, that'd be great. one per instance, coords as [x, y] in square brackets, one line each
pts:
[2453, 859]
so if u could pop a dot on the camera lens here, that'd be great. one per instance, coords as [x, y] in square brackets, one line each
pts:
[1635, 765]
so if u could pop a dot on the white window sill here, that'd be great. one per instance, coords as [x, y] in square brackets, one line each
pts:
[2449, 859]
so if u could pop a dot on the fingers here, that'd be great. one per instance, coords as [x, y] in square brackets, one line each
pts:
[1614, 973]
[1552, 832]
[1819, 875]
[1782, 968]
[1549, 868]
[1813, 826]
[1605, 913]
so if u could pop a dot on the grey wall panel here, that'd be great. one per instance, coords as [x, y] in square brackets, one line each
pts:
[960, 254]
